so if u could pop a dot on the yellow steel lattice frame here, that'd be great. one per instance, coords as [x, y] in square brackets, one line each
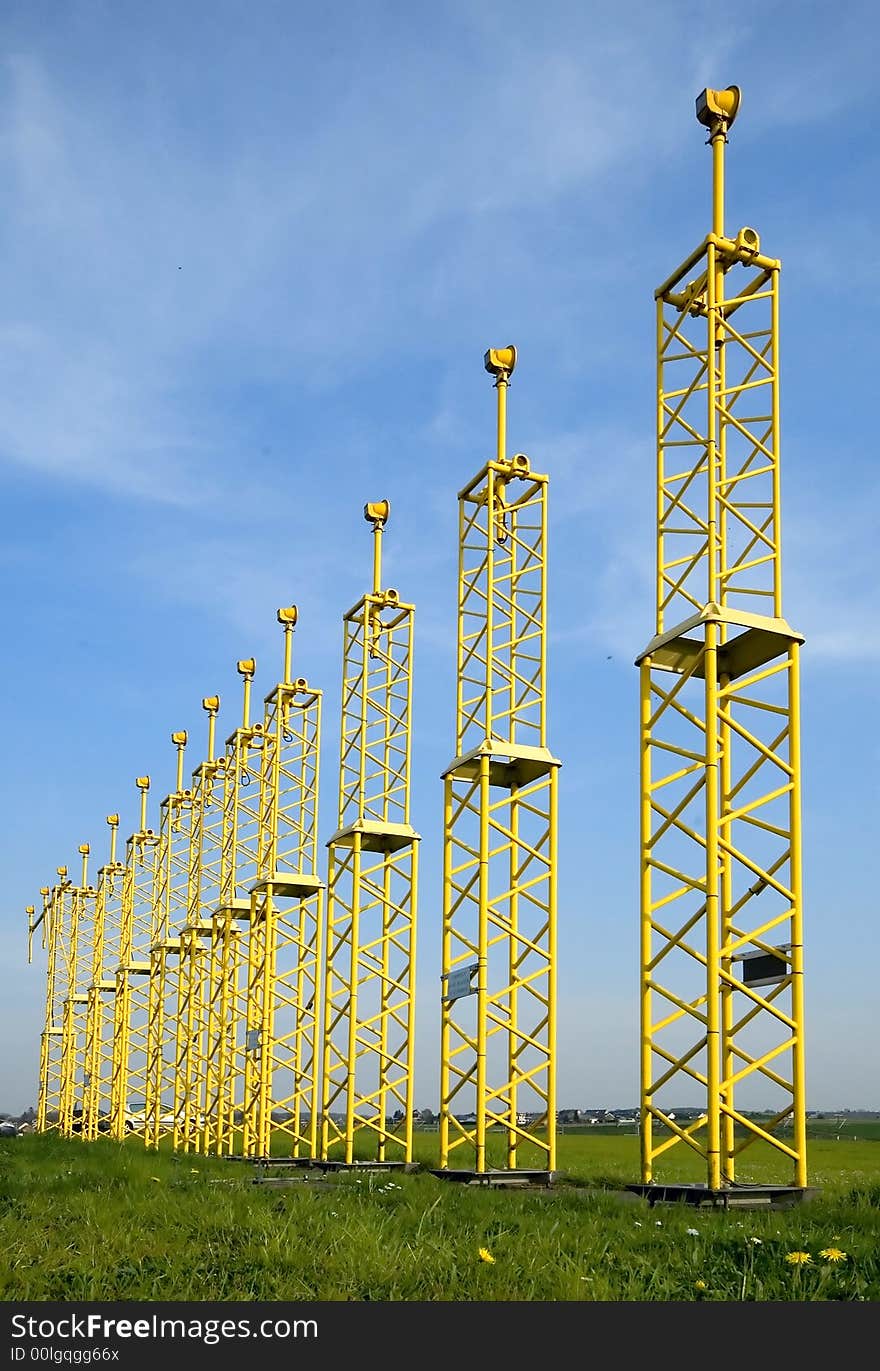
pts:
[280, 1111]
[227, 966]
[372, 888]
[53, 920]
[41, 921]
[101, 992]
[498, 1018]
[720, 771]
[61, 926]
[169, 919]
[79, 953]
[131, 1004]
[203, 897]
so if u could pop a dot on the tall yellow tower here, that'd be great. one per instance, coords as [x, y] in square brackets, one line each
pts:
[131, 1003]
[169, 919]
[202, 899]
[498, 1024]
[282, 1047]
[78, 955]
[372, 888]
[722, 1015]
[227, 966]
[101, 992]
[53, 918]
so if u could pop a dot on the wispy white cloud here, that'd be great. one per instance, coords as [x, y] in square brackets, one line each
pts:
[147, 275]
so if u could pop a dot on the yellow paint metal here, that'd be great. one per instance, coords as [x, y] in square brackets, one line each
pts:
[282, 1044]
[54, 919]
[169, 919]
[372, 888]
[131, 1004]
[720, 763]
[225, 1050]
[78, 956]
[194, 988]
[106, 955]
[498, 1014]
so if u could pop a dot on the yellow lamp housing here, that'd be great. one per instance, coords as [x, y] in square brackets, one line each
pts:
[377, 512]
[500, 361]
[288, 615]
[718, 108]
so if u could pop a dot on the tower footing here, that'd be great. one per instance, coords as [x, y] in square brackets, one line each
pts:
[497, 1179]
[319, 1164]
[728, 1197]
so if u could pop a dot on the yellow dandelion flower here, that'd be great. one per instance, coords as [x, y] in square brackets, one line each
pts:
[700, 1285]
[486, 1255]
[833, 1254]
[798, 1258]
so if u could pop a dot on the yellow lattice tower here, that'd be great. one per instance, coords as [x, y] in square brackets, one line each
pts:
[369, 980]
[102, 991]
[721, 941]
[280, 1111]
[79, 956]
[131, 1002]
[35, 921]
[58, 914]
[51, 920]
[203, 897]
[169, 918]
[498, 1018]
[227, 976]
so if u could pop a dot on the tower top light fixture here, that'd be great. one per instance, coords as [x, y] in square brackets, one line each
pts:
[717, 109]
[500, 361]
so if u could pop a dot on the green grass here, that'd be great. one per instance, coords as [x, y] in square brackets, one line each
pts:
[104, 1221]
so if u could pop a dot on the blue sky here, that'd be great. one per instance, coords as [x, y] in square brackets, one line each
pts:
[252, 258]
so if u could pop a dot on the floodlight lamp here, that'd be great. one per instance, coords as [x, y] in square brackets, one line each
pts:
[718, 108]
[113, 820]
[179, 739]
[83, 849]
[376, 512]
[211, 703]
[288, 615]
[143, 782]
[247, 666]
[500, 361]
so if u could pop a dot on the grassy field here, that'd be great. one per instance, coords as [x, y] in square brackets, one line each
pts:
[105, 1221]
